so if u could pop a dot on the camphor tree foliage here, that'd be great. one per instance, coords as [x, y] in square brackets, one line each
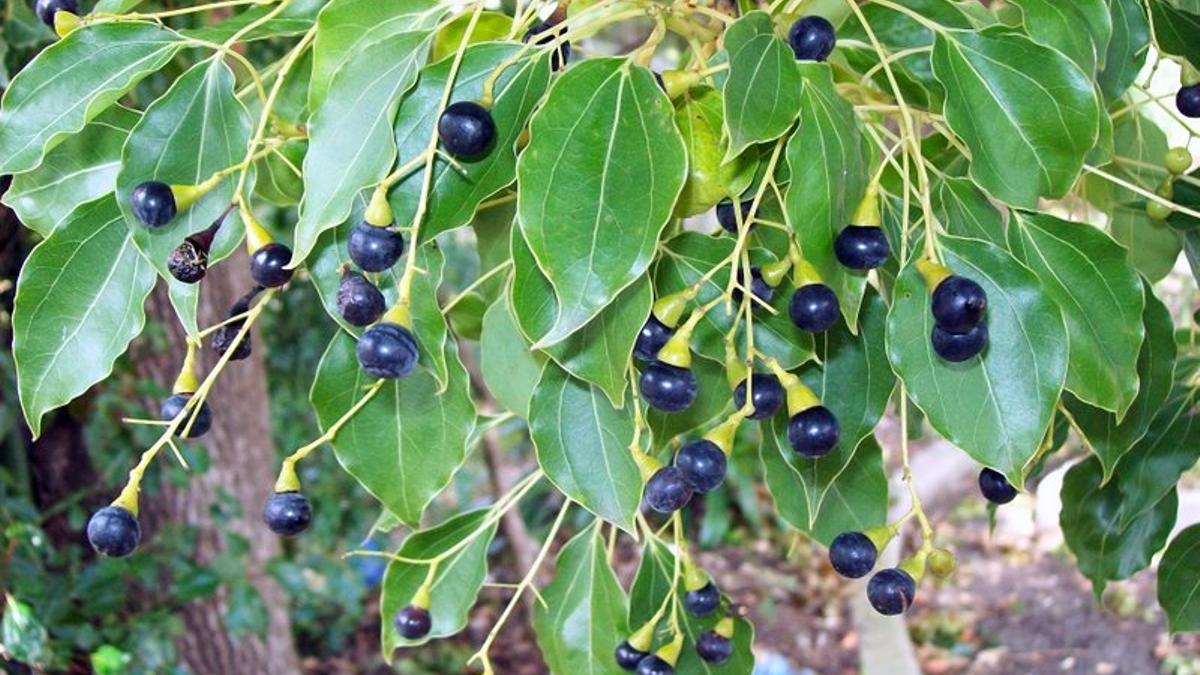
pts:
[937, 201]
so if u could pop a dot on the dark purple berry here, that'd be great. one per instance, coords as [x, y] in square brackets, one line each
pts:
[668, 388]
[814, 308]
[374, 249]
[546, 33]
[703, 464]
[650, 340]
[358, 300]
[153, 203]
[759, 286]
[728, 219]
[46, 9]
[413, 623]
[812, 38]
[891, 591]
[995, 487]
[200, 420]
[959, 347]
[114, 531]
[668, 490]
[768, 396]
[853, 554]
[627, 657]
[466, 129]
[287, 513]
[268, 265]
[814, 432]
[704, 601]
[958, 304]
[1188, 101]
[388, 350]
[653, 665]
[861, 247]
[713, 648]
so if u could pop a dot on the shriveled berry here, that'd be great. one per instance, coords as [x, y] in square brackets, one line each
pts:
[703, 465]
[650, 340]
[995, 487]
[628, 657]
[287, 513]
[814, 308]
[153, 203]
[114, 531]
[466, 129]
[374, 249]
[223, 339]
[388, 350]
[188, 263]
[668, 388]
[767, 395]
[1188, 101]
[852, 554]
[958, 304]
[814, 432]
[812, 38]
[891, 591]
[704, 601]
[200, 420]
[268, 265]
[546, 33]
[714, 648]
[959, 347]
[759, 286]
[654, 665]
[358, 300]
[668, 490]
[413, 623]
[46, 9]
[861, 247]
[728, 219]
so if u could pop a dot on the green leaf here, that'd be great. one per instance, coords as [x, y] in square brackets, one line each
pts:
[455, 585]
[280, 180]
[72, 82]
[828, 160]
[1127, 50]
[1139, 146]
[350, 143]
[1100, 295]
[81, 169]
[1028, 114]
[607, 120]
[996, 407]
[1175, 31]
[1154, 465]
[295, 19]
[510, 368]
[583, 444]
[1179, 582]
[1102, 433]
[407, 442]
[965, 211]
[700, 117]
[490, 26]
[763, 90]
[582, 620]
[79, 304]
[1080, 29]
[24, 637]
[1152, 246]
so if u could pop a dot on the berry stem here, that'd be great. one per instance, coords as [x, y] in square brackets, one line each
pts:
[288, 481]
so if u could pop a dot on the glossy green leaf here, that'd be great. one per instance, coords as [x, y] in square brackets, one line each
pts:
[1179, 581]
[79, 303]
[24, 637]
[82, 168]
[597, 184]
[1081, 29]
[582, 620]
[510, 368]
[996, 407]
[73, 81]
[1170, 447]
[1152, 247]
[829, 164]
[280, 179]
[583, 444]
[295, 19]
[1028, 114]
[489, 26]
[455, 585]
[965, 211]
[700, 116]
[1128, 48]
[408, 441]
[1175, 30]
[763, 89]
[1083, 270]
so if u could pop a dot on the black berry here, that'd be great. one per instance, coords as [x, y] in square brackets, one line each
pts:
[653, 665]
[153, 203]
[268, 265]
[713, 648]
[1188, 101]
[767, 393]
[388, 350]
[704, 601]
[703, 464]
[813, 432]
[958, 347]
[223, 339]
[650, 340]
[627, 657]
[201, 420]
[46, 9]
[358, 300]
[958, 304]
[668, 490]
[466, 129]
[728, 219]
[891, 591]
[188, 263]
[995, 487]
[814, 308]
[812, 38]
[374, 249]
[668, 388]
[545, 33]
[852, 554]
[861, 247]
[759, 286]
[287, 513]
[413, 623]
[114, 531]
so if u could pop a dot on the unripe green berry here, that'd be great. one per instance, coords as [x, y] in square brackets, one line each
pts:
[941, 563]
[1178, 160]
[1157, 210]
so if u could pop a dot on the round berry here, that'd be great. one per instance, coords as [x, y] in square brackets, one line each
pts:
[546, 33]
[668, 490]
[759, 286]
[668, 388]
[814, 308]
[223, 339]
[1188, 101]
[1178, 160]
[413, 623]
[114, 531]
[374, 249]
[728, 219]
[46, 9]
[388, 350]
[201, 420]
[466, 129]
[654, 665]
[358, 300]
[813, 432]
[704, 601]
[287, 513]
[852, 554]
[627, 657]
[891, 591]
[861, 247]
[1157, 210]
[650, 340]
[812, 38]
[703, 465]
[713, 648]
[958, 304]
[188, 263]
[995, 487]
[768, 396]
[268, 265]
[958, 347]
[153, 203]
